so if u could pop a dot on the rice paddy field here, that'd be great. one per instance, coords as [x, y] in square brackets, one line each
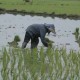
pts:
[52, 63]
[68, 7]
[49, 64]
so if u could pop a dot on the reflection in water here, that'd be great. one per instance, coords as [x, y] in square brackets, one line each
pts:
[11, 25]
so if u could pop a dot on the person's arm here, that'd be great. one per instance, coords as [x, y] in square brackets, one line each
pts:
[42, 36]
[24, 45]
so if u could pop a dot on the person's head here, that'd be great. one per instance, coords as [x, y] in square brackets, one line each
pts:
[51, 28]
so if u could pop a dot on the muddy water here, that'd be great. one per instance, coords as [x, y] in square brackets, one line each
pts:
[11, 25]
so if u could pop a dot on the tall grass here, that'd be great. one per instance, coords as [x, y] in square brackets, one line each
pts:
[50, 64]
[43, 6]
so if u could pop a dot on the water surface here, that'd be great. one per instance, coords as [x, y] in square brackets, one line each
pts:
[11, 25]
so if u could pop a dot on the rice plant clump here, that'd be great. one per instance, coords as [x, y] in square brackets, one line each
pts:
[76, 33]
[16, 38]
[14, 43]
[50, 64]
[77, 36]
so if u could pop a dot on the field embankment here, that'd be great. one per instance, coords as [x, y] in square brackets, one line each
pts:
[61, 8]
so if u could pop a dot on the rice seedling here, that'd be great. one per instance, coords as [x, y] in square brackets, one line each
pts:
[5, 62]
[49, 64]
[14, 43]
[76, 33]
[77, 36]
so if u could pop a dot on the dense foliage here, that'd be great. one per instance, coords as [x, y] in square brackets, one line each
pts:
[50, 64]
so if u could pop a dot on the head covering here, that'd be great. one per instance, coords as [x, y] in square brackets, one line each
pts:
[50, 26]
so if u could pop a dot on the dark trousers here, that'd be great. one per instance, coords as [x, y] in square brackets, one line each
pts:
[34, 41]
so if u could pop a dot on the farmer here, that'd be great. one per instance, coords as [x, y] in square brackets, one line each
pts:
[35, 31]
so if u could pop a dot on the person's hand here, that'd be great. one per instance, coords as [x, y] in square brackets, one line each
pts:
[49, 42]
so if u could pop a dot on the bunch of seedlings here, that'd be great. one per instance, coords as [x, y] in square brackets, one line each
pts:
[77, 36]
[14, 43]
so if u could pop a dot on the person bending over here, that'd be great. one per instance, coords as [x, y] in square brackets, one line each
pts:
[35, 31]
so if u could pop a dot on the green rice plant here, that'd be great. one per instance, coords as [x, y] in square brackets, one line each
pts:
[72, 65]
[24, 75]
[36, 76]
[26, 58]
[53, 64]
[66, 73]
[17, 38]
[43, 71]
[50, 61]
[14, 43]
[49, 54]
[76, 63]
[34, 54]
[20, 65]
[15, 75]
[42, 55]
[58, 64]
[5, 62]
[49, 42]
[76, 33]
[13, 61]
[64, 56]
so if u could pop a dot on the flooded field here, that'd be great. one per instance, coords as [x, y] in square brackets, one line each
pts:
[49, 64]
[11, 25]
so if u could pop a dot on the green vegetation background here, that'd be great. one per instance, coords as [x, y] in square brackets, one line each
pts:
[69, 7]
